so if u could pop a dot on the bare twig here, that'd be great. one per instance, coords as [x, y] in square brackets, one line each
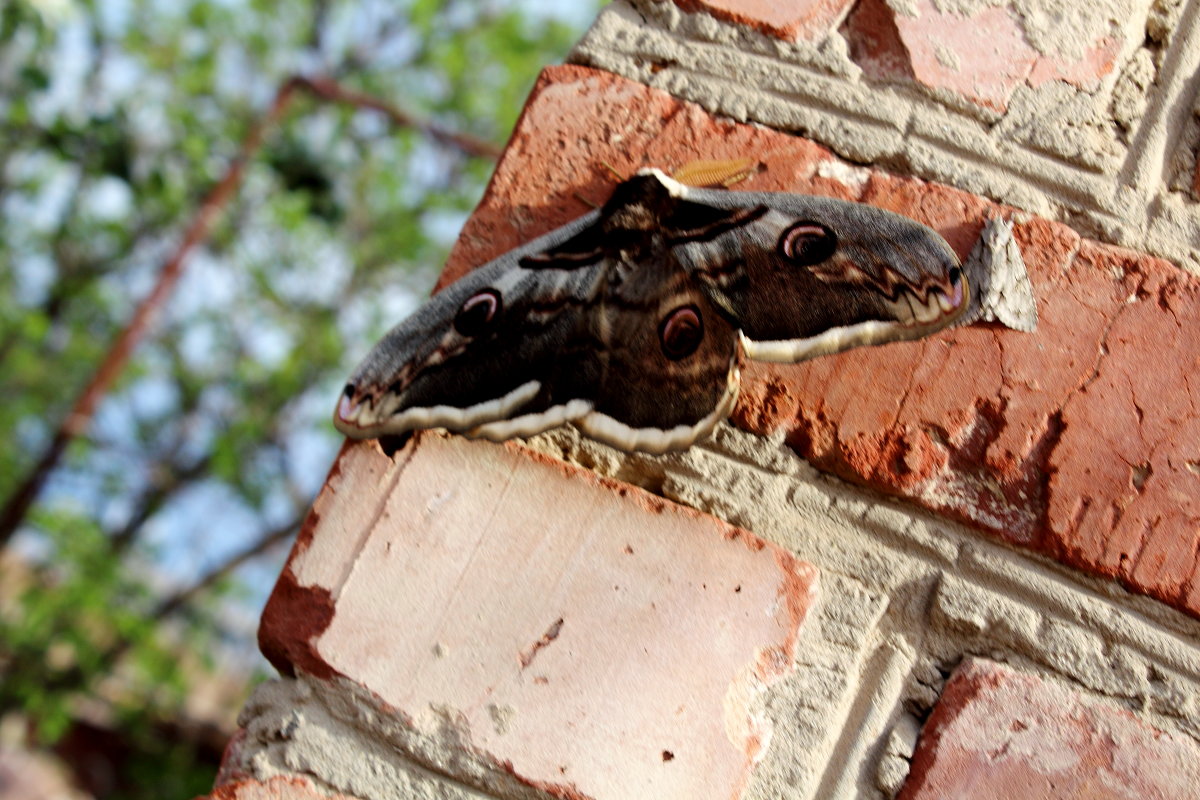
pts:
[268, 539]
[168, 479]
[328, 89]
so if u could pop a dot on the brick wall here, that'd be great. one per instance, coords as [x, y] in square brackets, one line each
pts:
[959, 567]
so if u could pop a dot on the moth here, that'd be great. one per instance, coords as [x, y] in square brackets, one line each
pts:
[1000, 287]
[631, 322]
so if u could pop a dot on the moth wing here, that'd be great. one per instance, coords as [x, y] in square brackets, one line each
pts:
[810, 276]
[635, 354]
[479, 351]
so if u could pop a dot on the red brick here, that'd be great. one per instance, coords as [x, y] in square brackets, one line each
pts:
[997, 734]
[875, 44]
[590, 638]
[1124, 500]
[794, 20]
[1037, 438]
[579, 123]
[982, 58]
[1086, 72]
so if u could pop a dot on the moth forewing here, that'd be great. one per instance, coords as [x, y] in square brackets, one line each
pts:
[816, 276]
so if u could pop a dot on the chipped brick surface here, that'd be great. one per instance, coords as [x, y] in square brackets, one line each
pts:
[278, 788]
[800, 19]
[982, 57]
[997, 734]
[1078, 440]
[590, 638]
[579, 122]
[295, 614]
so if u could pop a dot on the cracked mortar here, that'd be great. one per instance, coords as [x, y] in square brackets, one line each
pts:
[345, 738]
[905, 595]
[918, 593]
[1115, 158]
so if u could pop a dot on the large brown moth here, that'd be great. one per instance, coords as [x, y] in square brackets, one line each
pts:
[631, 321]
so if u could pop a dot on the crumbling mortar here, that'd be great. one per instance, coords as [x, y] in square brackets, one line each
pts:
[703, 28]
[985, 645]
[1114, 640]
[902, 617]
[1158, 109]
[447, 758]
[1090, 210]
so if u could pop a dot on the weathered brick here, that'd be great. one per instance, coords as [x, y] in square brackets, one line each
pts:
[997, 734]
[796, 20]
[589, 638]
[982, 57]
[1073, 440]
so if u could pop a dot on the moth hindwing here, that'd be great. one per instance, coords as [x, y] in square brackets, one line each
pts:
[631, 321]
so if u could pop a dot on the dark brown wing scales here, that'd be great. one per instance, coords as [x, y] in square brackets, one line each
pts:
[813, 276]
[666, 367]
[664, 355]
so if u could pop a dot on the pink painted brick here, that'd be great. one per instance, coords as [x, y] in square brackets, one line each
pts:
[792, 20]
[983, 57]
[593, 639]
[999, 734]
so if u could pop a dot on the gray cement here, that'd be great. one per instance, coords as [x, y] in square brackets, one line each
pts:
[905, 596]
[1115, 162]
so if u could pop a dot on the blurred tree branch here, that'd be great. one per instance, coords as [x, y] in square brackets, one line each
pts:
[78, 418]
[331, 90]
[125, 601]
[167, 479]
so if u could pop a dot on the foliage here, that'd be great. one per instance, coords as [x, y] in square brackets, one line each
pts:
[115, 120]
